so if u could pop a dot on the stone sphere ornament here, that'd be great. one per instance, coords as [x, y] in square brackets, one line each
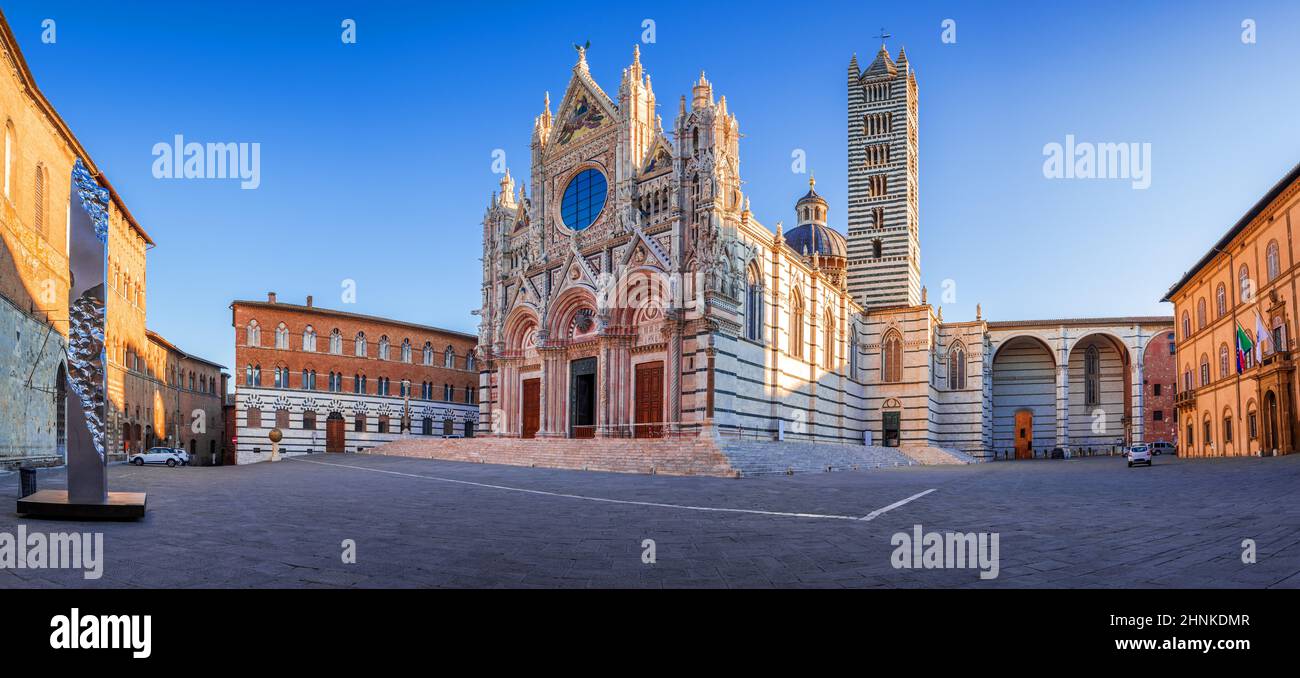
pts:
[275, 435]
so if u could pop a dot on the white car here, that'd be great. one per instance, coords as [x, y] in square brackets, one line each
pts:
[183, 454]
[158, 455]
[1139, 454]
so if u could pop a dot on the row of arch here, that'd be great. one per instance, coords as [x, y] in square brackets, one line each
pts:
[360, 422]
[253, 339]
[282, 378]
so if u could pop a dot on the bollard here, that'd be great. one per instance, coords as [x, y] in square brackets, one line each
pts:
[28, 477]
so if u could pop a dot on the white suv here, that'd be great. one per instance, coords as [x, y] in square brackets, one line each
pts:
[1139, 454]
[158, 455]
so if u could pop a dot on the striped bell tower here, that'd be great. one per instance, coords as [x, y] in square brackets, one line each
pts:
[884, 262]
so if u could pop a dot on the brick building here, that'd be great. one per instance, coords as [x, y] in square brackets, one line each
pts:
[334, 381]
[189, 392]
[1160, 381]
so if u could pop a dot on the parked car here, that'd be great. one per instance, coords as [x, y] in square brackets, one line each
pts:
[1139, 454]
[183, 454]
[158, 455]
[1161, 447]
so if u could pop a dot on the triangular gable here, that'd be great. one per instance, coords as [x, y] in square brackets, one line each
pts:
[659, 159]
[585, 108]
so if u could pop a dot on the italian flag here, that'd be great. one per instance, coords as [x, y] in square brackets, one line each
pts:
[1244, 346]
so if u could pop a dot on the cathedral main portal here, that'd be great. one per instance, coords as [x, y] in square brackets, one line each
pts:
[582, 398]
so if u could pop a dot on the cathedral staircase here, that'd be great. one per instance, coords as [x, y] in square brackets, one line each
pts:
[692, 455]
[685, 456]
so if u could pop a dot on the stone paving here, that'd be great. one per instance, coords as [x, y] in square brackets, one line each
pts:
[1076, 523]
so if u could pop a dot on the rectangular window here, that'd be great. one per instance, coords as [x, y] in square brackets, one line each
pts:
[1250, 426]
[1156, 389]
[1227, 429]
[1157, 415]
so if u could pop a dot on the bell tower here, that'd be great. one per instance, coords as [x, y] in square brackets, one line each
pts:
[884, 267]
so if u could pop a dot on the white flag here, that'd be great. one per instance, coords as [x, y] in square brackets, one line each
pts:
[1261, 335]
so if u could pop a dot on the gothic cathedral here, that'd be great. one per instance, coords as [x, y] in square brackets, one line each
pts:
[629, 292]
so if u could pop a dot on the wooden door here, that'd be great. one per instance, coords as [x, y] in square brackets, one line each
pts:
[649, 408]
[334, 433]
[1024, 434]
[532, 415]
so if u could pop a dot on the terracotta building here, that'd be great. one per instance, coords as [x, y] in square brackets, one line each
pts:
[1242, 293]
[334, 381]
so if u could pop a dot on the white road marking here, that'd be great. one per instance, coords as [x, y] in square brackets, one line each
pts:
[712, 509]
[878, 512]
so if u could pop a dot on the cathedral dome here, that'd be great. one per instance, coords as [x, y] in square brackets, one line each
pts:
[820, 238]
[812, 235]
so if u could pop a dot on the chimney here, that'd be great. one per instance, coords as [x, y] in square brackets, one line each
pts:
[308, 301]
[270, 297]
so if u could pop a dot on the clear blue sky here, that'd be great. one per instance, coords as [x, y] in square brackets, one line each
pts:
[376, 157]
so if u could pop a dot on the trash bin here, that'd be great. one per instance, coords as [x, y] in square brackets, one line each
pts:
[28, 477]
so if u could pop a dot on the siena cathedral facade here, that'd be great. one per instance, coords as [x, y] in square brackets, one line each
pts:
[628, 291]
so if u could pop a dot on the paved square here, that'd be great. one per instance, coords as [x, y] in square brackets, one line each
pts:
[1077, 523]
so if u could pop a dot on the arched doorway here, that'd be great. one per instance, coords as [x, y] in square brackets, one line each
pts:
[1270, 421]
[61, 413]
[334, 427]
[1024, 396]
[1100, 397]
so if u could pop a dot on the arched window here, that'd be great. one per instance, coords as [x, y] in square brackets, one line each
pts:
[428, 353]
[796, 323]
[828, 341]
[469, 361]
[1223, 361]
[309, 339]
[449, 357]
[891, 358]
[383, 347]
[956, 367]
[754, 306]
[1187, 377]
[406, 350]
[1205, 370]
[1092, 376]
[39, 196]
[1200, 314]
[1243, 280]
[253, 334]
[257, 375]
[360, 345]
[336, 342]
[1273, 260]
[282, 336]
[1187, 325]
[1220, 301]
[248, 375]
